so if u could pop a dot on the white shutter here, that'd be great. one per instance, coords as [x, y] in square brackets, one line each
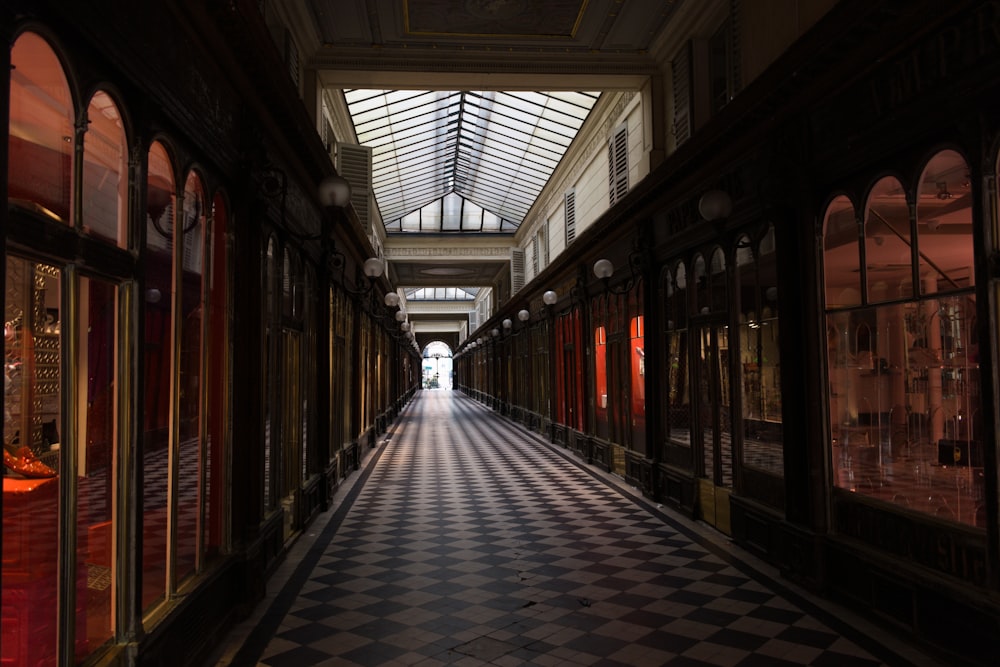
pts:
[534, 256]
[570, 216]
[516, 270]
[680, 69]
[292, 58]
[543, 233]
[473, 320]
[355, 164]
[735, 47]
[618, 165]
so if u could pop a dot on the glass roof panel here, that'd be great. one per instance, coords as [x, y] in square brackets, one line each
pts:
[452, 161]
[441, 293]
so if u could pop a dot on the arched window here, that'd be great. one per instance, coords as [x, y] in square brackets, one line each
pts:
[710, 283]
[841, 255]
[888, 262]
[105, 172]
[944, 225]
[903, 361]
[41, 134]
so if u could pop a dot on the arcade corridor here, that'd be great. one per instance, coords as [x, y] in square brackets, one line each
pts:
[468, 540]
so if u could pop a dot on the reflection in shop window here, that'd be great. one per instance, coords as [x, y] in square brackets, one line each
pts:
[759, 363]
[601, 380]
[905, 403]
[32, 450]
[158, 353]
[105, 172]
[40, 136]
[678, 410]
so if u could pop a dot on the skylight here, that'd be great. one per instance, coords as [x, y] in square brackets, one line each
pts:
[442, 294]
[449, 161]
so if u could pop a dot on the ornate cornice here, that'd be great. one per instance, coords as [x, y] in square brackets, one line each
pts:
[437, 251]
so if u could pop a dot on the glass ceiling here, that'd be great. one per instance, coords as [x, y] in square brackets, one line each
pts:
[463, 161]
[442, 294]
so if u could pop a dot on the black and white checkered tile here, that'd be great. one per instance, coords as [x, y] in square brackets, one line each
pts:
[470, 542]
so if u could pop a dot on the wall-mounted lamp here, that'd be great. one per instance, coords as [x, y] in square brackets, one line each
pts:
[715, 205]
[550, 297]
[334, 191]
[391, 300]
[400, 315]
[523, 315]
[507, 324]
[495, 333]
[604, 269]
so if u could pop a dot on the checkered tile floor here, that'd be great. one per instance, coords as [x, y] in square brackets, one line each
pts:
[468, 541]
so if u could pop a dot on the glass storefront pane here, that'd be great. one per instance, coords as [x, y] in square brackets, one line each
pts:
[40, 135]
[841, 255]
[190, 451]
[601, 381]
[105, 172]
[906, 413]
[158, 348]
[32, 398]
[678, 397]
[887, 243]
[217, 378]
[637, 350]
[95, 460]
[944, 225]
[760, 357]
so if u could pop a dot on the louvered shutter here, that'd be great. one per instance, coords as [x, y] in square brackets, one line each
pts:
[544, 233]
[534, 256]
[516, 270]
[735, 52]
[680, 69]
[570, 216]
[292, 57]
[473, 320]
[355, 164]
[618, 165]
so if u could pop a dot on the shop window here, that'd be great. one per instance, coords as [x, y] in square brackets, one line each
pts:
[888, 245]
[190, 440]
[905, 401]
[159, 336]
[760, 355]
[268, 372]
[31, 488]
[637, 363]
[217, 379]
[95, 465]
[710, 283]
[842, 255]
[677, 415]
[40, 136]
[601, 380]
[944, 225]
[105, 172]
